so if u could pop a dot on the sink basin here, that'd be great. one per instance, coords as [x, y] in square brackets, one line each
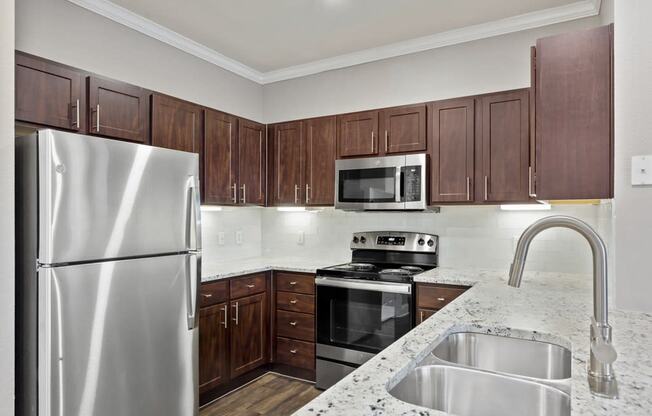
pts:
[515, 356]
[468, 392]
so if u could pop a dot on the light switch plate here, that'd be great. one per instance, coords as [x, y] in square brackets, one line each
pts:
[642, 170]
[302, 238]
[238, 237]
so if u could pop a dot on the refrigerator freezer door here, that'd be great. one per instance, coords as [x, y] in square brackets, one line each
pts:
[115, 338]
[105, 199]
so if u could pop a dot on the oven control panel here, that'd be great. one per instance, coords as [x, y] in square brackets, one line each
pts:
[386, 240]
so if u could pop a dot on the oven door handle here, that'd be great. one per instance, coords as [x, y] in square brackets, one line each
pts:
[386, 287]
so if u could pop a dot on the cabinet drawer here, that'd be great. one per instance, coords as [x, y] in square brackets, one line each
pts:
[213, 293]
[295, 353]
[295, 325]
[247, 285]
[295, 302]
[437, 296]
[295, 282]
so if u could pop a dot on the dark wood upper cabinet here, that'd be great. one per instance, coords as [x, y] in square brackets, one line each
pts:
[252, 147]
[176, 124]
[319, 188]
[574, 115]
[357, 134]
[117, 109]
[249, 333]
[213, 346]
[287, 164]
[403, 129]
[505, 144]
[49, 94]
[452, 140]
[220, 158]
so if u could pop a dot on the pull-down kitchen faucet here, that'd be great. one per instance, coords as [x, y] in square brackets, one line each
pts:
[602, 380]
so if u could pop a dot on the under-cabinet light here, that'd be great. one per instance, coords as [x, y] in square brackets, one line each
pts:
[544, 206]
[210, 208]
[291, 209]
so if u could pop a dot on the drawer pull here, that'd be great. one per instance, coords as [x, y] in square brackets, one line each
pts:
[421, 316]
[293, 301]
[207, 295]
[441, 299]
[293, 323]
[293, 351]
[293, 283]
[251, 286]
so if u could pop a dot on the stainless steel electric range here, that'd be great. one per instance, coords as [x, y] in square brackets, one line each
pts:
[365, 305]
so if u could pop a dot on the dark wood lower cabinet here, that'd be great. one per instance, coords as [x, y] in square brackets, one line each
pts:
[249, 333]
[213, 347]
[423, 314]
[430, 298]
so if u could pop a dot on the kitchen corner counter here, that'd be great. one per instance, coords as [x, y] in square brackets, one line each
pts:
[548, 307]
[222, 270]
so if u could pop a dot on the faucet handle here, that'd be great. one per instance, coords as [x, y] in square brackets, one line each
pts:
[602, 348]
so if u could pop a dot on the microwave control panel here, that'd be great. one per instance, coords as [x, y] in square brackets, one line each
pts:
[412, 183]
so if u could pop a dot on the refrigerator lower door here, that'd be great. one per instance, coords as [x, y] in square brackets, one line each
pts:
[114, 338]
[106, 199]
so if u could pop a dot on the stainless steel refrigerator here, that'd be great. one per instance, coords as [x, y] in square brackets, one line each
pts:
[108, 268]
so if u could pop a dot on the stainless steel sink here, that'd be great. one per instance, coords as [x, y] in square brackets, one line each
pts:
[515, 356]
[468, 392]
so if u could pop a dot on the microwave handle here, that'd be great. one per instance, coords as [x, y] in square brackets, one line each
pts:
[399, 184]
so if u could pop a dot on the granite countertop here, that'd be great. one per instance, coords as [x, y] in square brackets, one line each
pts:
[548, 307]
[222, 270]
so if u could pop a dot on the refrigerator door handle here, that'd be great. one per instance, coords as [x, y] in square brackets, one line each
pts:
[193, 289]
[194, 207]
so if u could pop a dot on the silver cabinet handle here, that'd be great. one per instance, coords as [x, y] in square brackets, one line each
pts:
[530, 183]
[251, 286]
[441, 299]
[486, 187]
[293, 323]
[234, 198]
[207, 295]
[386, 141]
[421, 316]
[226, 316]
[75, 122]
[293, 351]
[468, 188]
[293, 301]
[372, 141]
[244, 193]
[293, 283]
[236, 306]
[97, 113]
[296, 194]
[307, 193]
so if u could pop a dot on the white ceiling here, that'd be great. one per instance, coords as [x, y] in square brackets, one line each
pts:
[288, 38]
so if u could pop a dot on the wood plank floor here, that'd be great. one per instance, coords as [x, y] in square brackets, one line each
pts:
[271, 395]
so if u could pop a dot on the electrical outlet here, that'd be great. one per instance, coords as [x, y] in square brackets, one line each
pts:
[238, 237]
[302, 238]
[220, 238]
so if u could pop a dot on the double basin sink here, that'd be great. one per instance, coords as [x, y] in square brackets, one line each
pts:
[475, 374]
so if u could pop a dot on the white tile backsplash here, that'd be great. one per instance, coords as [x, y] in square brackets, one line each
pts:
[473, 236]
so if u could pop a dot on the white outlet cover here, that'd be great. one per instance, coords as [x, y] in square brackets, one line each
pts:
[642, 170]
[220, 238]
[238, 237]
[302, 238]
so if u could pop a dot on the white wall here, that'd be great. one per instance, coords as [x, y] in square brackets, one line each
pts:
[63, 32]
[494, 64]
[633, 205]
[229, 221]
[7, 208]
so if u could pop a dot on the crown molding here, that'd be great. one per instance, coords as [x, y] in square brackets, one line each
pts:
[572, 11]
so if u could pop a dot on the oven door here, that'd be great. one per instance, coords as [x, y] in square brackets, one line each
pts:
[364, 316]
[369, 183]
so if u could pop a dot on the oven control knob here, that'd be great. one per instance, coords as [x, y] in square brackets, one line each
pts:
[431, 243]
[355, 240]
[421, 242]
[363, 240]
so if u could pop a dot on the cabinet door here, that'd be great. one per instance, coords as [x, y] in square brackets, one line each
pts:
[320, 161]
[505, 147]
[220, 158]
[404, 129]
[213, 346]
[176, 124]
[358, 134]
[423, 314]
[48, 94]
[117, 110]
[249, 329]
[251, 162]
[574, 115]
[452, 136]
[287, 164]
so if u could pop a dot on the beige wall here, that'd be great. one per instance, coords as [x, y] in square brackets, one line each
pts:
[7, 208]
[487, 65]
[633, 205]
[63, 32]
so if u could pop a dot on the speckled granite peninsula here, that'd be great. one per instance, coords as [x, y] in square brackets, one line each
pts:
[548, 307]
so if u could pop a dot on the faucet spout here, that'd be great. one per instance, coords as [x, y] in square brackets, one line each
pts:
[602, 380]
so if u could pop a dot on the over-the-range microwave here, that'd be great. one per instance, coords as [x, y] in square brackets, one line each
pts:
[381, 183]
